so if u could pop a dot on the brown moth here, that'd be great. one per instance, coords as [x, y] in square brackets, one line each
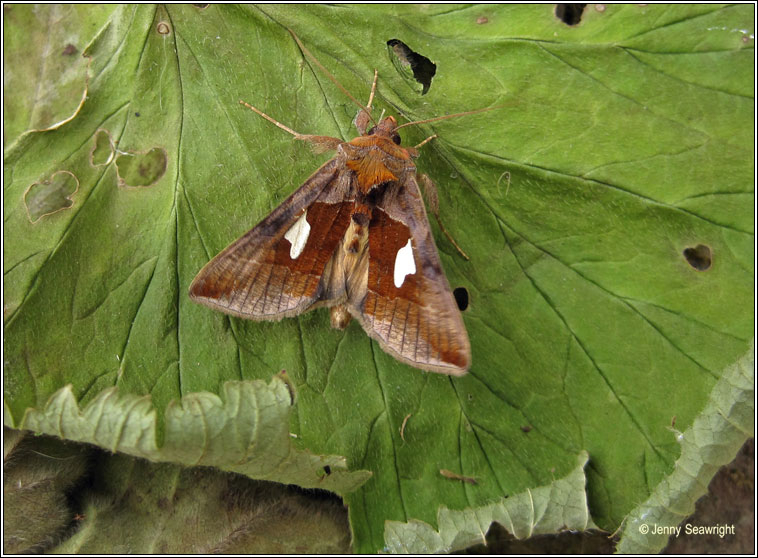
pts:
[355, 237]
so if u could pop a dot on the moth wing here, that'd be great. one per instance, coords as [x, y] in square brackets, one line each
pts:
[275, 270]
[408, 305]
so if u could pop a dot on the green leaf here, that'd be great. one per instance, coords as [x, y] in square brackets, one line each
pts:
[711, 442]
[622, 145]
[140, 506]
[546, 509]
[49, 84]
[38, 472]
[124, 504]
[247, 432]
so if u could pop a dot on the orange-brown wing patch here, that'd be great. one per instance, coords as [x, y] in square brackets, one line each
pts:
[418, 321]
[370, 170]
[260, 279]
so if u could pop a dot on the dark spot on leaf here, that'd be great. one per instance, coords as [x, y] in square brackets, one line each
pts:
[141, 169]
[201, 6]
[526, 429]
[163, 503]
[481, 20]
[461, 298]
[51, 195]
[102, 151]
[327, 470]
[570, 14]
[405, 59]
[137, 114]
[69, 49]
[163, 28]
[699, 257]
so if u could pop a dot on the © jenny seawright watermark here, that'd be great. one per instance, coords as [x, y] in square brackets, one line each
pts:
[719, 529]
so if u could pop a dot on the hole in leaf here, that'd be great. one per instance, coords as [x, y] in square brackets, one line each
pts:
[102, 151]
[407, 63]
[163, 28]
[327, 470]
[141, 169]
[570, 14]
[51, 195]
[699, 257]
[461, 298]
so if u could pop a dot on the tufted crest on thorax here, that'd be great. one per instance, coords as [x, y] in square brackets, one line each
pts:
[370, 170]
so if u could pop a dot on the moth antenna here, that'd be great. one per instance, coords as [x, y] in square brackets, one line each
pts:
[373, 89]
[447, 116]
[330, 76]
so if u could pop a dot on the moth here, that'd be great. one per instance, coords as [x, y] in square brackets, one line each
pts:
[354, 237]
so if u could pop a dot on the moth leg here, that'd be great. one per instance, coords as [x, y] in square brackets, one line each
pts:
[320, 143]
[431, 195]
[364, 117]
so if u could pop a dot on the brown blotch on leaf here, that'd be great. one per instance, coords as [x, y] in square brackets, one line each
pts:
[699, 257]
[163, 28]
[102, 151]
[141, 168]
[481, 20]
[51, 195]
[69, 49]
[455, 476]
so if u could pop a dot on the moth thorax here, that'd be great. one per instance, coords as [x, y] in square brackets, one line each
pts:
[370, 171]
[339, 316]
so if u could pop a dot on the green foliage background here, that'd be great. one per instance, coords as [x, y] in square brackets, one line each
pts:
[620, 143]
